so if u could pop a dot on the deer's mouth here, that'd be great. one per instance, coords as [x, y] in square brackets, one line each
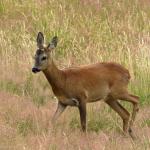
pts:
[35, 70]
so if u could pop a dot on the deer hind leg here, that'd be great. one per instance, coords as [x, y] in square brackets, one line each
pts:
[123, 113]
[135, 101]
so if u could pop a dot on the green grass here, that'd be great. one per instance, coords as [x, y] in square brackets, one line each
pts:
[99, 124]
[74, 123]
[23, 90]
[25, 126]
[146, 123]
[11, 87]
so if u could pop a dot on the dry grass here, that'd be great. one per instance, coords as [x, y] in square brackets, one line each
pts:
[24, 126]
[89, 31]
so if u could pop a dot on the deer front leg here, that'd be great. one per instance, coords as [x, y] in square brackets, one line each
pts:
[60, 109]
[82, 110]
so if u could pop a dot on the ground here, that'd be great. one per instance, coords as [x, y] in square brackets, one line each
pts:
[23, 125]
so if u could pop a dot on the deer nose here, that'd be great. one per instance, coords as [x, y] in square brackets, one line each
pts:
[35, 70]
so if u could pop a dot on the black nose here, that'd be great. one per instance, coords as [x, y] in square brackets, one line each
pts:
[35, 70]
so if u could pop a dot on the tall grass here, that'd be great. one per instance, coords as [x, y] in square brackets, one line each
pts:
[88, 32]
[103, 31]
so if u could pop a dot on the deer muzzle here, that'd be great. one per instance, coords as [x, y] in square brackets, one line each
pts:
[35, 70]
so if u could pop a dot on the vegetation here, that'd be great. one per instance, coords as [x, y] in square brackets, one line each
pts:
[89, 31]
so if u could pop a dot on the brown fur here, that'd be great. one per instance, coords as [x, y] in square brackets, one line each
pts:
[91, 83]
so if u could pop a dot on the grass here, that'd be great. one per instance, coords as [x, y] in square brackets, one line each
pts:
[24, 126]
[88, 32]
[146, 123]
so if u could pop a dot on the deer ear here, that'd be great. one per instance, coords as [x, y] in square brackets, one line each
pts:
[40, 40]
[53, 43]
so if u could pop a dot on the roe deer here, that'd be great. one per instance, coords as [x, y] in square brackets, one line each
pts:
[80, 85]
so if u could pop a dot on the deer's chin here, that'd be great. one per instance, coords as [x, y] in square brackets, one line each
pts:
[35, 70]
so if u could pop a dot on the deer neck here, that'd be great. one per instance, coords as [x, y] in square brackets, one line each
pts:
[54, 76]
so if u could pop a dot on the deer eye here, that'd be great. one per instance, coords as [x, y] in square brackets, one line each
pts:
[43, 58]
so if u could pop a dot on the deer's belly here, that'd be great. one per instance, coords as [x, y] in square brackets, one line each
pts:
[98, 94]
[68, 101]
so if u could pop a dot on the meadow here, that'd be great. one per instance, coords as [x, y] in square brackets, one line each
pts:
[89, 31]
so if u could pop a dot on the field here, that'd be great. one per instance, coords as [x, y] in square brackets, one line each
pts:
[89, 31]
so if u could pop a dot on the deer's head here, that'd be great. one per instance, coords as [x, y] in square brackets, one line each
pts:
[43, 53]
